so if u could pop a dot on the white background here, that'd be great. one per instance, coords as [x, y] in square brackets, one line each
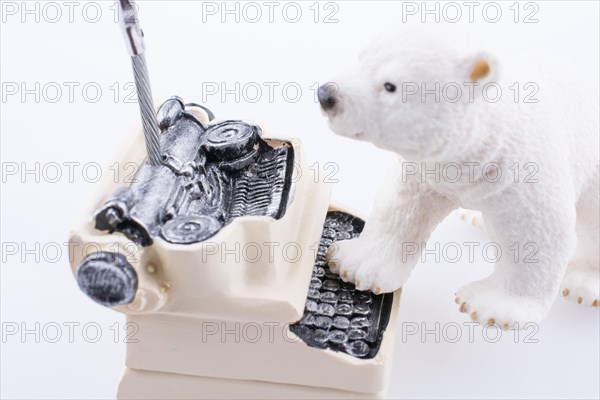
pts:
[183, 51]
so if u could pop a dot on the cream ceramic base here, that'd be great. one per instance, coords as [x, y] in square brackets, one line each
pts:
[262, 351]
[138, 384]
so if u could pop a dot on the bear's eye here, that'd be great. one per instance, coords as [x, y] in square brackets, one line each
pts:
[390, 87]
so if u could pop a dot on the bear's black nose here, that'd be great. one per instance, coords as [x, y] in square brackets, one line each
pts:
[326, 95]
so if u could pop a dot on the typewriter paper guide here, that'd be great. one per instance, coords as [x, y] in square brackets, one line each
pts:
[191, 279]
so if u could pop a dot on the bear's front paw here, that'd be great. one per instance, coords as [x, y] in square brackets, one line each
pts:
[488, 302]
[582, 285]
[360, 262]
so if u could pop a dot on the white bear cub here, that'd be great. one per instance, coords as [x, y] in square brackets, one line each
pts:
[528, 161]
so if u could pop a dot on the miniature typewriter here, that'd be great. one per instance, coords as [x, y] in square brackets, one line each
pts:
[160, 255]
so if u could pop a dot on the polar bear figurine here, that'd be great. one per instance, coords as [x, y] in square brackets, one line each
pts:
[528, 163]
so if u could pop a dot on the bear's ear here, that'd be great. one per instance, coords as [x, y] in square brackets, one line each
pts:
[481, 68]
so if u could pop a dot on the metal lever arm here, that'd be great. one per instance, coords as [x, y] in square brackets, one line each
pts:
[134, 40]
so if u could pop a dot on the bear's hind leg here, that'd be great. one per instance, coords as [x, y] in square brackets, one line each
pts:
[536, 235]
[581, 282]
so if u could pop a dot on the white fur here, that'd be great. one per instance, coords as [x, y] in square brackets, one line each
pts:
[559, 214]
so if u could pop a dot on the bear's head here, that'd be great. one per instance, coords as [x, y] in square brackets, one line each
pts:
[414, 92]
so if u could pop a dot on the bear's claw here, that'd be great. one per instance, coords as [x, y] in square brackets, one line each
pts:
[489, 304]
[579, 299]
[356, 262]
[464, 308]
[472, 217]
[580, 285]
